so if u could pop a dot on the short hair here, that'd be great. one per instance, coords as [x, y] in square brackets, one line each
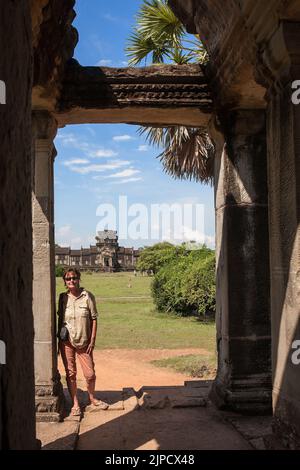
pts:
[71, 270]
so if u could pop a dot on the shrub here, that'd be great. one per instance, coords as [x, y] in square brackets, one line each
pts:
[199, 286]
[186, 284]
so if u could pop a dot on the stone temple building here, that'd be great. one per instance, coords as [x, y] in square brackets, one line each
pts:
[244, 99]
[106, 255]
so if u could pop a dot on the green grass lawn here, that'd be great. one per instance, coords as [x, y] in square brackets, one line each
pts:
[113, 285]
[135, 323]
[195, 365]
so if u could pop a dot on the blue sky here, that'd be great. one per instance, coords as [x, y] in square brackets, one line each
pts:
[98, 164]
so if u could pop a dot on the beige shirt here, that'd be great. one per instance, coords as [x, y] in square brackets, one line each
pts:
[77, 315]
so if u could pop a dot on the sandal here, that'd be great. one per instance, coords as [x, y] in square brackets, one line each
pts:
[100, 404]
[75, 412]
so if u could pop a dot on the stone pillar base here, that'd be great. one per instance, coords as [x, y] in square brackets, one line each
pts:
[249, 395]
[49, 402]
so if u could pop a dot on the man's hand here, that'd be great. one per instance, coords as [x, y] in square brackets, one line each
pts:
[91, 346]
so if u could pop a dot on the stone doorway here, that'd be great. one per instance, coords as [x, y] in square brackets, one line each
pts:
[254, 61]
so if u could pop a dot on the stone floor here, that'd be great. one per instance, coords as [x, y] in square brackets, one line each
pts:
[158, 418]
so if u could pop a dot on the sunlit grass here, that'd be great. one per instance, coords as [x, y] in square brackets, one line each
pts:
[135, 323]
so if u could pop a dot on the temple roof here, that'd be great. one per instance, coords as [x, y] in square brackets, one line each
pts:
[75, 252]
[111, 234]
[62, 250]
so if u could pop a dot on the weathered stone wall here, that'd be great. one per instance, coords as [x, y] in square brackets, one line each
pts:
[241, 37]
[17, 412]
[254, 48]
[54, 40]
[284, 184]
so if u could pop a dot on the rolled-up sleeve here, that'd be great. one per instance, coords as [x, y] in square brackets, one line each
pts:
[92, 306]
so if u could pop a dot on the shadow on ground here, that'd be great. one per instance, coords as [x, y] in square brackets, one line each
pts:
[157, 418]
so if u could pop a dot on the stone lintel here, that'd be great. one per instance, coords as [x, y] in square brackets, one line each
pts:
[135, 95]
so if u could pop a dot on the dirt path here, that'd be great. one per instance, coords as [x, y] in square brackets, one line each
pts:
[119, 368]
[125, 427]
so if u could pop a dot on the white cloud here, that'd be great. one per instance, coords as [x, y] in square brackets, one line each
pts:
[114, 165]
[104, 63]
[89, 150]
[66, 139]
[128, 180]
[70, 140]
[64, 231]
[75, 161]
[109, 17]
[190, 234]
[143, 148]
[210, 241]
[100, 153]
[66, 236]
[121, 138]
[124, 174]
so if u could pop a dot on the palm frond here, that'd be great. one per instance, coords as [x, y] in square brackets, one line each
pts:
[188, 152]
[196, 49]
[189, 156]
[140, 47]
[154, 135]
[156, 20]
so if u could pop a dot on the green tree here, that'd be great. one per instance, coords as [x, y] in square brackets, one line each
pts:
[152, 258]
[59, 271]
[187, 151]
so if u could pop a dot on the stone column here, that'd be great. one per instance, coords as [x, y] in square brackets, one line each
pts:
[243, 381]
[48, 389]
[284, 199]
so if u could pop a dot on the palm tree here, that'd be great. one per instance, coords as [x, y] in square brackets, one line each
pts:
[188, 152]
